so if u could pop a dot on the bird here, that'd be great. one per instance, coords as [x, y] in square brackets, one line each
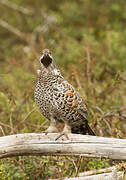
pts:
[58, 100]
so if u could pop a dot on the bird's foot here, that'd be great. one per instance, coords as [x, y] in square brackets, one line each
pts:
[65, 132]
[51, 129]
[45, 132]
[62, 134]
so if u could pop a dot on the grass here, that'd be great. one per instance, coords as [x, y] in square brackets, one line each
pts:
[87, 40]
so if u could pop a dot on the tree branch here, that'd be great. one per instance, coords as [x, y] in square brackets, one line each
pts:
[17, 7]
[97, 171]
[78, 145]
[13, 30]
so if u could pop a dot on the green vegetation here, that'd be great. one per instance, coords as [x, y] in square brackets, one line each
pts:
[87, 39]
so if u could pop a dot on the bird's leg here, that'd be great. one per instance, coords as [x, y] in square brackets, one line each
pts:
[67, 128]
[52, 128]
[65, 132]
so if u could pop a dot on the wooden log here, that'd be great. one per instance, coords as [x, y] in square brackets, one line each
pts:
[78, 145]
[105, 176]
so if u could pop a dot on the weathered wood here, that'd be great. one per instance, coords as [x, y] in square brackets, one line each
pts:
[97, 171]
[92, 175]
[105, 176]
[78, 145]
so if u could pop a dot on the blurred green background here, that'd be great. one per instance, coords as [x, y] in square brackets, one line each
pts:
[88, 40]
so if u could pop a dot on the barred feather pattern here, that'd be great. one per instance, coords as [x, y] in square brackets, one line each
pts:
[58, 99]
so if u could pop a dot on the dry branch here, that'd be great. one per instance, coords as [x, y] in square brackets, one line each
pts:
[78, 145]
[12, 29]
[96, 171]
[91, 175]
[105, 176]
[17, 7]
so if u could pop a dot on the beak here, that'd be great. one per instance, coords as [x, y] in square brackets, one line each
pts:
[46, 59]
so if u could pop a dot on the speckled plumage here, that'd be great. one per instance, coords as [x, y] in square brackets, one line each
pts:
[58, 100]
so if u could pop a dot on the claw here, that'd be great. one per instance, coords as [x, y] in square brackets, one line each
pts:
[62, 134]
[51, 129]
[65, 132]
[46, 132]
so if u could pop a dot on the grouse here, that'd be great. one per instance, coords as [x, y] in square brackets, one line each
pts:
[58, 100]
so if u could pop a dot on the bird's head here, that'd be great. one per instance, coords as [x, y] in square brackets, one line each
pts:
[47, 64]
[46, 58]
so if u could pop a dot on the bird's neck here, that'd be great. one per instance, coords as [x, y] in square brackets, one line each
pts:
[49, 73]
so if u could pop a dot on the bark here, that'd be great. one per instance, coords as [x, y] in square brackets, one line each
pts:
[78, 145]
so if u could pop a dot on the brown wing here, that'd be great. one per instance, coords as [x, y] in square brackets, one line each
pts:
[74, 100]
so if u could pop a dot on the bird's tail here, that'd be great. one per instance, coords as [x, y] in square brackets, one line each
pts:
[83, 128]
